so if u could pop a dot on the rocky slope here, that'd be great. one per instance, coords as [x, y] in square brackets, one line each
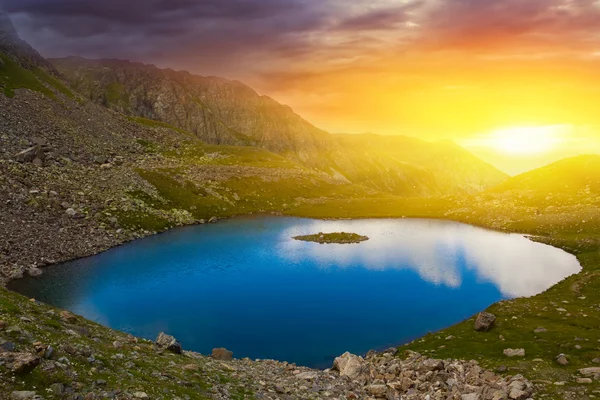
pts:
[18, 50]
[220, 111]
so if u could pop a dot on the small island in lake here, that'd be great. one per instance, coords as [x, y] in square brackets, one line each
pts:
[336, 237]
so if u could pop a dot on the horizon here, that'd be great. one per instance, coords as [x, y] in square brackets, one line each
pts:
[512, 83]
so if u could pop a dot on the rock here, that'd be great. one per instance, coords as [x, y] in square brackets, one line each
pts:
[584, 381]
[431, 364]
[484, 322]
[514, 352]
[168, 342]
[22, 395]
[57, 388]
[498, 395]
[71, 212]
[67, 316]
[595, 360]
[349, 365]
[307, 375]
[517, 394]
[2, 325]
[540, 329]
[34, 271]
[213, 220]
[140, 395]
[190, 367]
[392, 351]
[377, 390]
[222, 354]
[589, 371]
[20, 363]
[8, 346]
[100, 160]
[471, 396]
[562, 360]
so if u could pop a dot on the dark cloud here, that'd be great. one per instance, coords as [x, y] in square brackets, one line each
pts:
[236, 38]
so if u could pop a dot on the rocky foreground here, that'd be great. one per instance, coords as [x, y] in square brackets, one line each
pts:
[46, 353]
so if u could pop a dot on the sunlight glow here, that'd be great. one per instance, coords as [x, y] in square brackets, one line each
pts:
[526, 140]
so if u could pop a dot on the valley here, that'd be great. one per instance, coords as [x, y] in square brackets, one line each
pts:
[95, 154]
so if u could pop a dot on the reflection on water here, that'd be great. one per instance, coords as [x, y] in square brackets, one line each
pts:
[245, 284]
[434, 249]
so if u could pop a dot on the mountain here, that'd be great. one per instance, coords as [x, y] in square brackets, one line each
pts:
[220, 111]
[13, 47]
[569, 181]
[391, 163]
[216, 110]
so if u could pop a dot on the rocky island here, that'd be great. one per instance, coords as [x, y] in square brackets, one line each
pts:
[336, 237]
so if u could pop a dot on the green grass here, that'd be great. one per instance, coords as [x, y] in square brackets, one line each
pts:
[205, 154]
[13, 77]
[116, 95]
[157, 124]
[336, 237]
[53, 82]
[44, 325]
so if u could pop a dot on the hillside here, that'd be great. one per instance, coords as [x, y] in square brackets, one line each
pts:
[566, 180]
[220, 111]
[400, 164]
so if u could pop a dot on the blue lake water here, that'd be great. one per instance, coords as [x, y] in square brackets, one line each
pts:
[246, 285]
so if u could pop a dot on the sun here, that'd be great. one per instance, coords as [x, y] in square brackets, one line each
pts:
[527, 140]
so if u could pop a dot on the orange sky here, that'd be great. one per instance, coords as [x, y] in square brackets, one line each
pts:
[463, 97]
[496, 76]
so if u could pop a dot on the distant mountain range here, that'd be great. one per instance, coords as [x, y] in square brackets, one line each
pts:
[221, 111]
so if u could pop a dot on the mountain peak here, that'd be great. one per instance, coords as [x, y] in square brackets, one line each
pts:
[12, 46]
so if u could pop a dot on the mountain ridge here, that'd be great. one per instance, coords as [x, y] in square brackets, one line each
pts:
[222, 111]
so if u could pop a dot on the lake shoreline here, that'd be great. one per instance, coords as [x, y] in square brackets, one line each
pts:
[421, 342]
[401, 256]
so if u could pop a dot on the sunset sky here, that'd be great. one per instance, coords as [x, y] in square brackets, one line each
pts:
[515, 81]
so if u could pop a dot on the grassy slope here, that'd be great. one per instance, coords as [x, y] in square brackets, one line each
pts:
[159, 374]
[13, 76]
[201, 181]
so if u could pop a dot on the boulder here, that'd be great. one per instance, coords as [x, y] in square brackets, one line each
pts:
[589, 371]
[310, 375]
[517, 394]
[377, 390]
[23, 395]
[222, 354]
[350, 365]
[212, 220]
[168, 342]
[514, 352]
[484, 322]
[562, 360]
[67, 316]
[20, 363]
